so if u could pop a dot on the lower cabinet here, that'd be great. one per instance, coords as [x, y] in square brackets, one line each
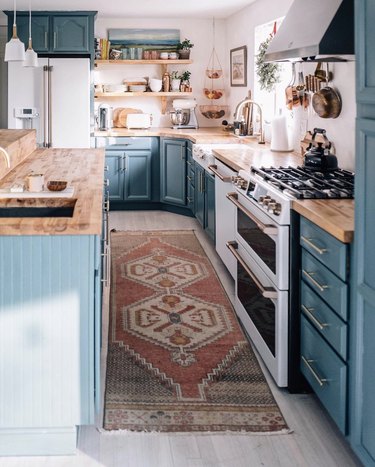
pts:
[205, 200]
[190, 163]
[48, 320]
[173, 171]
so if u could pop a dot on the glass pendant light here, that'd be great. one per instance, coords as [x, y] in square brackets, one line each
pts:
[31, 57]
[14, 49]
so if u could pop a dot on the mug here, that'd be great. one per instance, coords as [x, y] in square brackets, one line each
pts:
[35, 182]
[173, 55]
[164, 55]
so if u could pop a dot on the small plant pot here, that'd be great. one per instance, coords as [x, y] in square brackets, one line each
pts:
[184, 54]
[175, 85]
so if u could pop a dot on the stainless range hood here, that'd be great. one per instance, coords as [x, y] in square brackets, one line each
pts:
[314, 28]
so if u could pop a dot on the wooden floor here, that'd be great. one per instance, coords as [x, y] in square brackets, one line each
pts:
[315, 441]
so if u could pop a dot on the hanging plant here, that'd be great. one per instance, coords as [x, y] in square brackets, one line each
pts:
[268, 73]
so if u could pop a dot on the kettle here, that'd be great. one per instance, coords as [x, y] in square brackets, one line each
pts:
[318, 156]
[104, 117]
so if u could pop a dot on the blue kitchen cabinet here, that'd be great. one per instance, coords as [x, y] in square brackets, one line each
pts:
[173, 171]
[50, 352]
[205, 200]
[56, 32]
[115, 174]
[190, 163]
[362, 322]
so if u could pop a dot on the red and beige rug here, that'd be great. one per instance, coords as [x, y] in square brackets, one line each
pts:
[177, 358]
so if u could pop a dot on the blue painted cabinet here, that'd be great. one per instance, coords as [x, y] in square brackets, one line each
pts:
[49, 307]
[362, 342]
[205, 200]
[173, 171]
[199, 194]
[56, 32]
[190, 163]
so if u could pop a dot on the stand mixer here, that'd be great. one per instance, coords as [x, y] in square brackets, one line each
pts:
[183, 115]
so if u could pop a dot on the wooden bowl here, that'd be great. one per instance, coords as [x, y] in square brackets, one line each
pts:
[57, 185]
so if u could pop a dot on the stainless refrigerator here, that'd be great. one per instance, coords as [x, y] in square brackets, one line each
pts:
[54, 99]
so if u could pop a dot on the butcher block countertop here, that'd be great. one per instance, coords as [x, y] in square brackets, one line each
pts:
[18, 144]
[82, 169]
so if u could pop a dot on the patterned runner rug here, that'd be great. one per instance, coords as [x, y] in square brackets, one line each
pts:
[178, 360]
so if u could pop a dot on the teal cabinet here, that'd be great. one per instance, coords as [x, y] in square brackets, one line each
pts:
[205, 200]
[173, 171]
[49, 362]
[362, 322]
[56, 32]
[129, 174]
[190, 163]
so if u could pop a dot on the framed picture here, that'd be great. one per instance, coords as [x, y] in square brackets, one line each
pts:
[238, 66]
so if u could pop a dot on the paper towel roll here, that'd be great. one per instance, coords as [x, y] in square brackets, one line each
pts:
[279, 135]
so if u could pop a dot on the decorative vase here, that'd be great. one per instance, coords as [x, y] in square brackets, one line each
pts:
[175, 84]
[184, 54]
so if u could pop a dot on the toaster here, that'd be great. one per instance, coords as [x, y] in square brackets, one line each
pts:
[138, 120]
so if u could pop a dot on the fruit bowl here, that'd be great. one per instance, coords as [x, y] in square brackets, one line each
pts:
[213, 73]
[213, 93]
[213, 111]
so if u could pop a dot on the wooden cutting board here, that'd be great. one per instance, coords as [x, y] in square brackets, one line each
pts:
[120, 115]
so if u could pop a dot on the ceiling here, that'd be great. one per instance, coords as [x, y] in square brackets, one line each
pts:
[139, 8]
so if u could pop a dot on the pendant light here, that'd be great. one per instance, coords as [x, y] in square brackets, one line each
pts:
[14, 49]
[31, 57]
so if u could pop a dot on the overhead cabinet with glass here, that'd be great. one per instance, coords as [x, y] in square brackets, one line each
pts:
[55, 32]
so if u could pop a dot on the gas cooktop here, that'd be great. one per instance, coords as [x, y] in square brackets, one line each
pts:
[302, 183]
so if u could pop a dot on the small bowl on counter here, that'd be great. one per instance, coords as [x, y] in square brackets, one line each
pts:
[57, 185]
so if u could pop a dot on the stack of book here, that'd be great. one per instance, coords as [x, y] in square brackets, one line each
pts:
[102, 48]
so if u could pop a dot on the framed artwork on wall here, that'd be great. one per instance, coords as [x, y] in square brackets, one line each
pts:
[238, 66]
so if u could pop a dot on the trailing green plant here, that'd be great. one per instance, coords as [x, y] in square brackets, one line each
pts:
[175, 75]
[268, 73]
[185, 44]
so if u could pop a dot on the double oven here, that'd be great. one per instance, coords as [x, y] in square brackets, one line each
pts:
[261, 250]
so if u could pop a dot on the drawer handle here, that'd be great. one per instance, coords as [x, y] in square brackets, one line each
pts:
[308, 312]
[321, 251]
[321, 381]
[223, 178]
[267, 292]
[310, 275]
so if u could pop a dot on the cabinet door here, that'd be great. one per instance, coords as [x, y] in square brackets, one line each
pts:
[39, 31]
[137, 176]
[173, 172]
[115, 161]
[199, 194]
[210, 205]
[70, 33]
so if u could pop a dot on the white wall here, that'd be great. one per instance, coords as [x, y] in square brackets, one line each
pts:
[199, 31]
[240, 31]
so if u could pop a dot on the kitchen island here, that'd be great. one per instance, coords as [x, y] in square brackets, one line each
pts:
[50, 300]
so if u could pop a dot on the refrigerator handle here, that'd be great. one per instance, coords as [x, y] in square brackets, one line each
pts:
[50, 69]
[45, 106]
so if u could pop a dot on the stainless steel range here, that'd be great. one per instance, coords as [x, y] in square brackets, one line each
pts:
[262, 249]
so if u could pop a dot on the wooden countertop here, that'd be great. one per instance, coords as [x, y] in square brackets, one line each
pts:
[83, 169]
[18, 144]
[335, 216]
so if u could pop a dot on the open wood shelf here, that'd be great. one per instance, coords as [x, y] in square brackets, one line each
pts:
[142, 62]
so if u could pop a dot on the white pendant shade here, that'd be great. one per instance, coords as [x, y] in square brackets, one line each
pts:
[31, 58]
[14, 50]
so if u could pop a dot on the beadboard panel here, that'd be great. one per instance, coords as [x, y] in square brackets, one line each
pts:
[46, 330]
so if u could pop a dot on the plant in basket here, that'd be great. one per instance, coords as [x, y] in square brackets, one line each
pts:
[184, 48]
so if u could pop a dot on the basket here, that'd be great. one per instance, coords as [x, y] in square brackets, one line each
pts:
[213, 111]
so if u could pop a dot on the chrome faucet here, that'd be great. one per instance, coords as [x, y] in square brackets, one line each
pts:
[6, 156]
[238, 114]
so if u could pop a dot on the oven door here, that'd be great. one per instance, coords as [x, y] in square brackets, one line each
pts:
[265, 240]
[263, 311]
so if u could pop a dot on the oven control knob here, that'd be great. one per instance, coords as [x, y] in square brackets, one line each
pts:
[264, 200]
[274, 208]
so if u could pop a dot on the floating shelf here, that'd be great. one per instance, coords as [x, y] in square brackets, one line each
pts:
[99, 63]
[162, 95]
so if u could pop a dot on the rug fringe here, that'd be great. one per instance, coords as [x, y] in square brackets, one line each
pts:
[283, 431]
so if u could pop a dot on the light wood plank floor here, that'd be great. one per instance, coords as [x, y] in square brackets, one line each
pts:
[315, 441]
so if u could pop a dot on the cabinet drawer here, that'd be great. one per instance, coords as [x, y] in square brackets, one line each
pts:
[325, 248]
[325, 371]
[117, 142]
[328, 286]
[324, 320]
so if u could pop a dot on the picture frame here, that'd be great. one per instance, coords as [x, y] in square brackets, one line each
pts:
[238, 66]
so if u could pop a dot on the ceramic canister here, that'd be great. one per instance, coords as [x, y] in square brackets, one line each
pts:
[35, 182]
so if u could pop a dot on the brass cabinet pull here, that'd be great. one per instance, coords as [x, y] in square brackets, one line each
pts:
[265, 228]
[308, 312]
[225, 179]
[308, 241]
[310, 275]
[321, 381]
[267, 292]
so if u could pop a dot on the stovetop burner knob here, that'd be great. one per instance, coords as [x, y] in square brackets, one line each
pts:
[264, 200]
[274, 208]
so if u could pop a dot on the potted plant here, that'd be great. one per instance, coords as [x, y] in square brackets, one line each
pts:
[185, 81]
[175, 81]
[184, 49]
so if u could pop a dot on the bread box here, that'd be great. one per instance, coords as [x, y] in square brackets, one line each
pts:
[139, 120]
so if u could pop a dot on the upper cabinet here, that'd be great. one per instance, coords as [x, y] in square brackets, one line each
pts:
[55, 32]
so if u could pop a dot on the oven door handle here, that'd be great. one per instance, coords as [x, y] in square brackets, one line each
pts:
[267, 229]
[223, 178]
[267, 292]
